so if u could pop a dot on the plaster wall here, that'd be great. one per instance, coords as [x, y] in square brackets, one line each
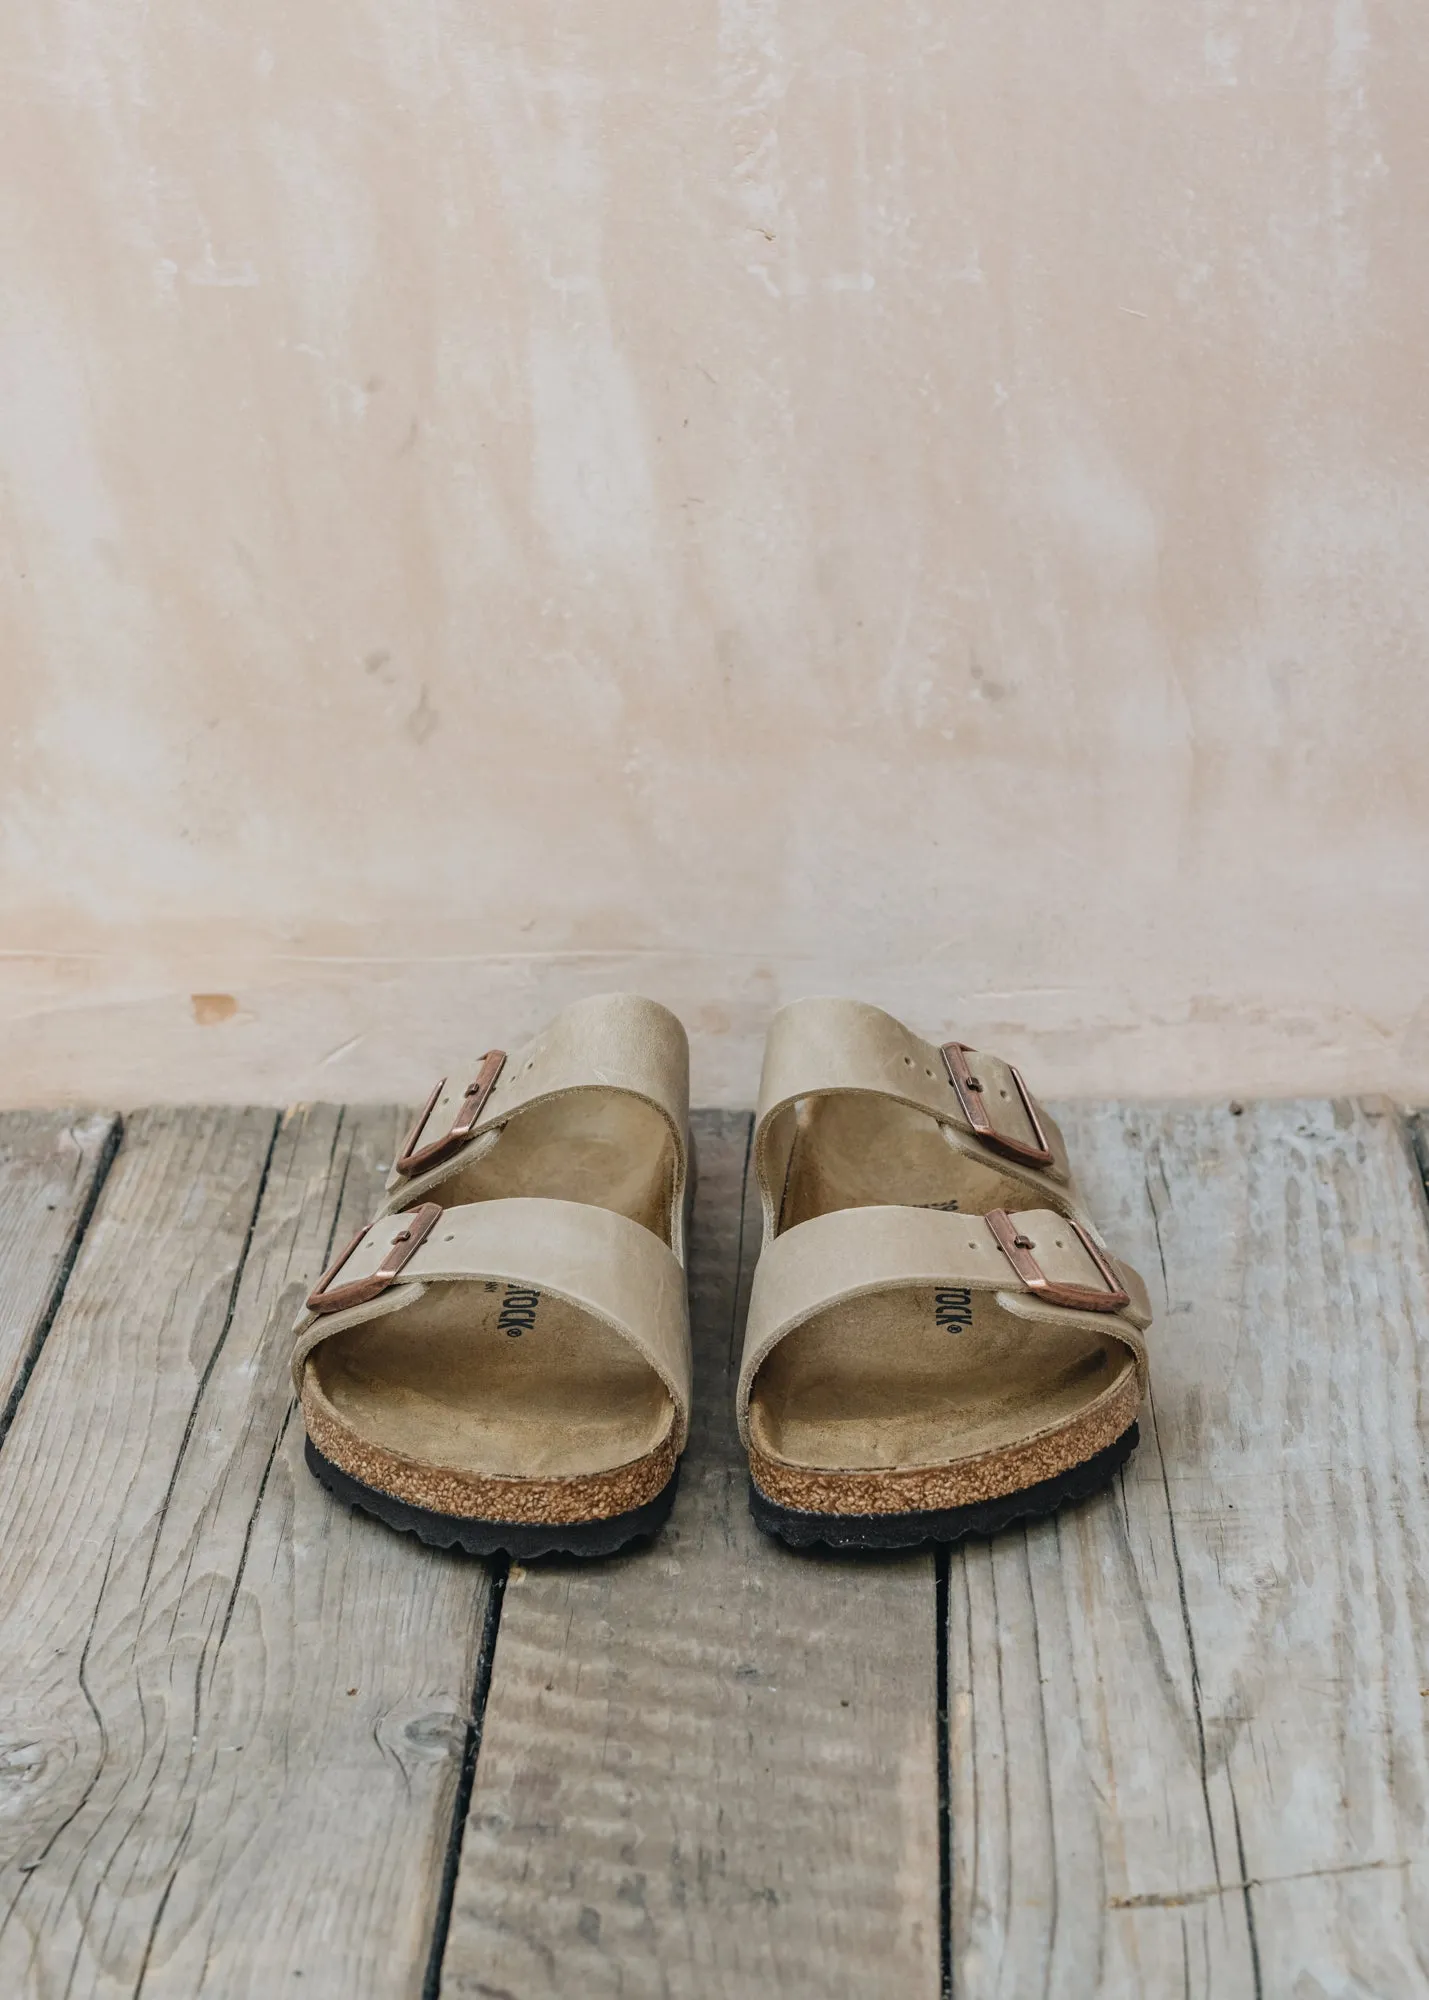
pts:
[501, 499]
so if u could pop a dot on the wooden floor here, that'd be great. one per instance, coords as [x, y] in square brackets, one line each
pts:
[1174, 1742]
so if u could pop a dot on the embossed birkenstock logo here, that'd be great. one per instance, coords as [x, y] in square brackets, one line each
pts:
[953, 1310]
[518, 1311]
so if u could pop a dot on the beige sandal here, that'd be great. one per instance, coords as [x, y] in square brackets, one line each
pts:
[502, 1360]
[938, 1341]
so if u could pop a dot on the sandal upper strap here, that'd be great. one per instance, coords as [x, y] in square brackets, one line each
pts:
[1029, 1260]
[611, 1041]
[597, 1260]
[819, 1046]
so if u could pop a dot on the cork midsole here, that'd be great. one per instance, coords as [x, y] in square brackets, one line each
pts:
[595, 1496]
[964, 1482]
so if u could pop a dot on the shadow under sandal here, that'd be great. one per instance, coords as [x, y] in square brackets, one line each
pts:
[502, 1360]
[939, 1343]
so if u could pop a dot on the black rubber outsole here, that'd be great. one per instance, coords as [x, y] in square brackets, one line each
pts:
[523, 1540]
[803, 1530]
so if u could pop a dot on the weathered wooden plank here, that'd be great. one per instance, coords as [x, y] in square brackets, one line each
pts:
[1418, 1126]
[232, 1716]
[51, 1165]
[708, 1768]
[1188, 1738]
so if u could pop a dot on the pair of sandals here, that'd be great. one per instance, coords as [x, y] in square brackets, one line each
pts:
[938, 1340]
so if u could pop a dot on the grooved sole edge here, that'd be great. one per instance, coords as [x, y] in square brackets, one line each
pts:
[522, 1540]
[803, 1530]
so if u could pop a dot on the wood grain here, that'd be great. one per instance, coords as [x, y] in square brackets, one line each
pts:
[51, 1166]
[708, 1768]
[1188, 1740]
[232, 1716]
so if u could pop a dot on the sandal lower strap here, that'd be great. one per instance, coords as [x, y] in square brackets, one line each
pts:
[1029, 1260]
[600, 1262]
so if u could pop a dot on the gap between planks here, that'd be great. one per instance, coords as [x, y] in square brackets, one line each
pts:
[1188, 1750]
[52, 1167]
[233, 1717]
[708, 1767]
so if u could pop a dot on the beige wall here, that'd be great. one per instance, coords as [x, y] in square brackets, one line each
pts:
[923, 498]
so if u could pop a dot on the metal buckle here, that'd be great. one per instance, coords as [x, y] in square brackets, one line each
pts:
[970, 1096]
[1018, 1251]
[419, 1223]
[472, 1105]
